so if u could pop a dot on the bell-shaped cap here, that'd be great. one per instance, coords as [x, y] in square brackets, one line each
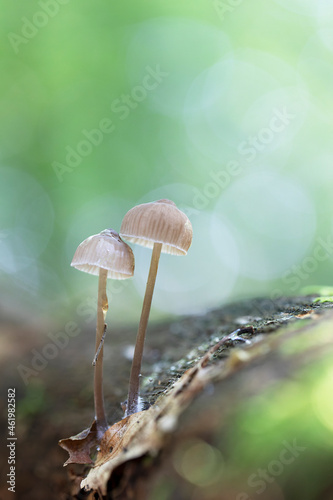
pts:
[158, 222]
[105, 250]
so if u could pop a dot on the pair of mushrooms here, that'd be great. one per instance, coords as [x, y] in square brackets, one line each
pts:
[159, 225]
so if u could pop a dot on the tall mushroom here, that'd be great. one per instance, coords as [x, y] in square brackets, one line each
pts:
[108, 256]
[159, 225]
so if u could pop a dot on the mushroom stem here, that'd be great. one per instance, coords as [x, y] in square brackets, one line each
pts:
[102, 307]
[134, 383]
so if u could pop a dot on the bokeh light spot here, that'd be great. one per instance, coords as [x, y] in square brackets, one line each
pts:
[26, 219]
[198, 462]
[274, 222]
[323, 402]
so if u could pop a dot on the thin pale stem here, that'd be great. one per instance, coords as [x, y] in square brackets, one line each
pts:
[134, 383]
[102, 307]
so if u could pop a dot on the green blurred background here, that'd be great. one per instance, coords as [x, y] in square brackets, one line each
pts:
[225, 107]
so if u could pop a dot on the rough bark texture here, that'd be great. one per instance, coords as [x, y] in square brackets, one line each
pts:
[236, 440]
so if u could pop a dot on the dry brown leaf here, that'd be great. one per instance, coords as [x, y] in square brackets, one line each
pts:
[125, 440]
[79, 446]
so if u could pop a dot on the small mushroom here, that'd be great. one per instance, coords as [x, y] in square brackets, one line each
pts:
[159, 225]
[108, 256]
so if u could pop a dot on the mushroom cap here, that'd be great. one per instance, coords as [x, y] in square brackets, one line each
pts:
[105, 250]
[158, 222]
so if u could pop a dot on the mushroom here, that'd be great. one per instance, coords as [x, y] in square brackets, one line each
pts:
[108, 256]
[159, 225]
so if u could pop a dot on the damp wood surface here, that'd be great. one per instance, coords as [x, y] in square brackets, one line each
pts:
[258, 394]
